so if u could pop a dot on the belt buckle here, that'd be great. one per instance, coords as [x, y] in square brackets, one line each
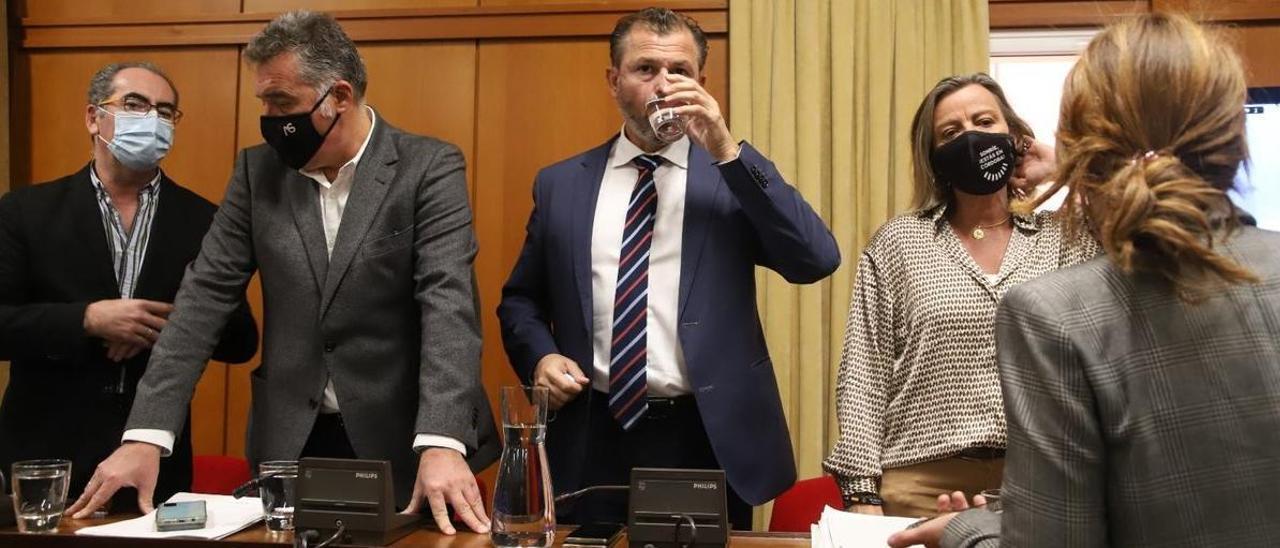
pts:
[659, 408]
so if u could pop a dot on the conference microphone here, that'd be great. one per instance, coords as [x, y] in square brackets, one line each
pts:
[588, 490]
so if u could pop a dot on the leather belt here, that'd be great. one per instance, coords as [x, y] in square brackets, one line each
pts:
[981, 453]
[661, 408]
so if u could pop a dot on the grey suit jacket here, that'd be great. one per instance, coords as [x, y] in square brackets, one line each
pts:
[1136, 419]
[392, 316]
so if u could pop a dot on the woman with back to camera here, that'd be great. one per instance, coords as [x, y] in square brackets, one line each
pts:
[918, 396]
[1143, 388]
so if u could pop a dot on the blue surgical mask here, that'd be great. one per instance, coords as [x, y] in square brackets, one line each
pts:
[139, 142]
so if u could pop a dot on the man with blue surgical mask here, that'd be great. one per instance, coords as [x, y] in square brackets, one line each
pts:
[89, 267]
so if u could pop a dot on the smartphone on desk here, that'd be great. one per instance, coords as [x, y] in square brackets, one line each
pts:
[594, 535]
[181, 516]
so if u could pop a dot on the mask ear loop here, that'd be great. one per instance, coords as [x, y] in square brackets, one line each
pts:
[1020, 148]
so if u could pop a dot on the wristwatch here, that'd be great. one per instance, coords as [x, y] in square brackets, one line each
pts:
[865, 497]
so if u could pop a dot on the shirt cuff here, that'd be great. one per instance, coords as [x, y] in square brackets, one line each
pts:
[856, 484]
[735, 157]
[159, 438]
[422, 441]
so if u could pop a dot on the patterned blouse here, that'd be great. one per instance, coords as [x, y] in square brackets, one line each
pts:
[918, 375]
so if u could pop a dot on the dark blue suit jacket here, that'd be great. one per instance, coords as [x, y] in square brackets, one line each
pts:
[737, 215]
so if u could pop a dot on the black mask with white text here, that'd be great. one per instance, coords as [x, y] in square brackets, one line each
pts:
[975, 162]
[294, 137]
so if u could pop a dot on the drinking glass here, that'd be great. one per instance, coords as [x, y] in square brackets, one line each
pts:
[40, 494]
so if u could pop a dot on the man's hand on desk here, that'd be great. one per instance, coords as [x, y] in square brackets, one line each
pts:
[133, 464]
[444, 477]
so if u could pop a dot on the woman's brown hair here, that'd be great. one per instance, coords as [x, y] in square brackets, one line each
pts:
[926, 194]
[1150, 137]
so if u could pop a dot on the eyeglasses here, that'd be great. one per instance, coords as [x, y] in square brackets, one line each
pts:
[141, 107]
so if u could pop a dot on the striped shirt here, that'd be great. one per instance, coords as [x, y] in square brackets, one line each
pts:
[128, 247]
[917, 377]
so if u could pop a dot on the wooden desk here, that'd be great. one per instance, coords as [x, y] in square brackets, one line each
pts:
[258, 537]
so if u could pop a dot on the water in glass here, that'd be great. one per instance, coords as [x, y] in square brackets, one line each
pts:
[277, 481]
[40, 494]
[667, 125]
[523, 505]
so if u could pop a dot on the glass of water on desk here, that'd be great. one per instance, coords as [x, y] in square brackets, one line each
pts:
[40, 494]
[277, 485]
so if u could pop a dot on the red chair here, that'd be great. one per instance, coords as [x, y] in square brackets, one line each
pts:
[801, 505]
[218, 474]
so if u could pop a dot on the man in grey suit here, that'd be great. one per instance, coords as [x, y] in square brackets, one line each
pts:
[362, 235]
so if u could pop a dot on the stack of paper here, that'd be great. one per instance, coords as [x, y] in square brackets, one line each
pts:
[839, 529]
[226, 516]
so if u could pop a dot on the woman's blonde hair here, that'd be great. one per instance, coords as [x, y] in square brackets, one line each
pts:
[1149, 140]
[926, 193]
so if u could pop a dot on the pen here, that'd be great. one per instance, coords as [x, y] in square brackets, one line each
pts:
[918, 523]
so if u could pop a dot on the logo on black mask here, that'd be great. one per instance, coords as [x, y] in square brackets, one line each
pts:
[975, 162]
[294, 137]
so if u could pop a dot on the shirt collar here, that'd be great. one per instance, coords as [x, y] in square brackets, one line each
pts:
[149, 188]
[939, 214]
[318, 174]
[676, 152]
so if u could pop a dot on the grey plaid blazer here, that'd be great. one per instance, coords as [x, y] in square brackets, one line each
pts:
[1136, 419]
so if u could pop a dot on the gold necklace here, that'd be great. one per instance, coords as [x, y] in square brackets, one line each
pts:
[978, 232]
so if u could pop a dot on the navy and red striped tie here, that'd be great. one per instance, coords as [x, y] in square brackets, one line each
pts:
[629, 356]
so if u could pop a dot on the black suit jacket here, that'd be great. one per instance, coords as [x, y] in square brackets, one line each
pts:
[62, 399]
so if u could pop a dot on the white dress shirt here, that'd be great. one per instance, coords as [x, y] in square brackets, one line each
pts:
[666, 373]
[333, 200]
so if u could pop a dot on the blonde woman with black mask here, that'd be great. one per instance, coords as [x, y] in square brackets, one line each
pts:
[918, 396]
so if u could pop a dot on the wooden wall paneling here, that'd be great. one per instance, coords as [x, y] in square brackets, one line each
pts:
[1223, 10]
[423, 88]
[1060, 13]
[251, 6]
[1253, 24]
[539, 102]
[426, 88]
[678, 5]
[437, 23]
[125, 9]
[1257, 47]
[56, 143]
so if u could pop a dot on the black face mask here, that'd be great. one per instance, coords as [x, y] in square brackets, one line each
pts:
[975, 162]
[294, 137]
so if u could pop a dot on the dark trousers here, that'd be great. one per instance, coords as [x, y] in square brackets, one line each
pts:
[328, 439]
[671, 435]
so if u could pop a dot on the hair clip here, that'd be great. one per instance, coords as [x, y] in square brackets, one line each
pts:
[1145, 157]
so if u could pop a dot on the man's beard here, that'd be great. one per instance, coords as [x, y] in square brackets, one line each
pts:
[640, 125]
